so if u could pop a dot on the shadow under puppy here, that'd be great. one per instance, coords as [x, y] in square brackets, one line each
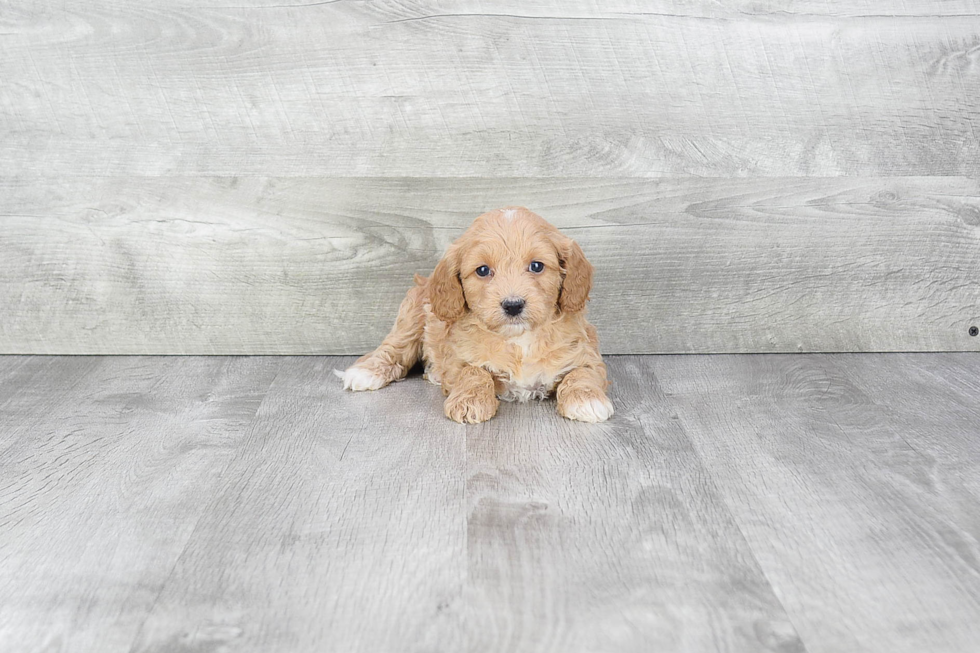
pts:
[502, 316]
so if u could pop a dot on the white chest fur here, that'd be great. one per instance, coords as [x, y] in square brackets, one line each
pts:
[523, 372]
[531, 379]
[524, 342]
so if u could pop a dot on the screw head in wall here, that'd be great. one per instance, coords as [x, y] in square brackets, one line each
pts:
[974, 331]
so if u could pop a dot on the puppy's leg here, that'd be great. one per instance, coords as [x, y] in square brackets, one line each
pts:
[582, 394]
[472, 398]
[397, 353]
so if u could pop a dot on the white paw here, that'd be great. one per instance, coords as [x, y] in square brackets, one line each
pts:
[590, 410]
[358, 379]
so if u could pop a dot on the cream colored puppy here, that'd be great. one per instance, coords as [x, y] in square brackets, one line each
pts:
[501, 317]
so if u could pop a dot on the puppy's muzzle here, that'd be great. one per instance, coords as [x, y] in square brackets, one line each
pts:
[513, 306]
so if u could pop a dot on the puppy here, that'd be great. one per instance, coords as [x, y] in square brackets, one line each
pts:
[501, 318]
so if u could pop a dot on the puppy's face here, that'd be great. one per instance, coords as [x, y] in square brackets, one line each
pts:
[512, 270]
[510, 274]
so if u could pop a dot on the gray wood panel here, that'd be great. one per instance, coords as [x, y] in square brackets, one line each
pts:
[102, 486]
[339, 526]
[795, 503]
[30, 387]
[589, 538]
[295, 266]
[522, 88]
[941, 425]
[867, 532]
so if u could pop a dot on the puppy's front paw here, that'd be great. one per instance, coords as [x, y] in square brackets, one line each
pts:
[357, 379]
[586, 406]
[469, 408]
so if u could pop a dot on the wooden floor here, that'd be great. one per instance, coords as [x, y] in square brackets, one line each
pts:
[734, 503]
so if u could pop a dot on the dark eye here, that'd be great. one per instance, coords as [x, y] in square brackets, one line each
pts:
[536, 266]
[482, 271]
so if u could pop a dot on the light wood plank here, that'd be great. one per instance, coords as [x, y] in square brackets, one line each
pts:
[866, 544]
[608, 537]
[299, 266]
[870, 9]
[785, 503]
[32, 386]
[340, 527]
[530, 88]
[941, 424]
[104, 486]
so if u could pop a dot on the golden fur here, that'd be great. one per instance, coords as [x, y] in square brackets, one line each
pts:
[455, 321]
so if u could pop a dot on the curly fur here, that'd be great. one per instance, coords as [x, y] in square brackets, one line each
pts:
[479, 354]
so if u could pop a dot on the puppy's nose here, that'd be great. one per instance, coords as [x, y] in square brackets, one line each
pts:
[512, 306]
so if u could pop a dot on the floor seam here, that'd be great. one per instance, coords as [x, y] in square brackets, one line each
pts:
[728, 509]
[197, 523]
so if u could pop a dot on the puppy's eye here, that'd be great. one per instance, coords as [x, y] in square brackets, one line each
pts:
[536, 266]
[482, 271]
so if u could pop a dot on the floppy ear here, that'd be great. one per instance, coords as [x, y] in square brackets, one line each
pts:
[577, 282]
[445, 288]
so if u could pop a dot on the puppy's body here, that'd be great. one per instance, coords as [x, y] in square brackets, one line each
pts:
[527, 365]
[502, 316]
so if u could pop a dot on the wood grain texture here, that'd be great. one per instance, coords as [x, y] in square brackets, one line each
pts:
[860, 516]
[31, 386]
[340, 526]
[796, 503]
[298, 266]
[524, 88]
[102, 486]
[608, 537]
[263, 177]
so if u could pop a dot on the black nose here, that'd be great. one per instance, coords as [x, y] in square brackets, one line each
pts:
[512, 307]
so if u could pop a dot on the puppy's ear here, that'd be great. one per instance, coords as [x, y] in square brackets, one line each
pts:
[445, 288]
[577, 282]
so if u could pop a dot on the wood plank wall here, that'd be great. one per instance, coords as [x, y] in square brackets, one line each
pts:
[246, 176]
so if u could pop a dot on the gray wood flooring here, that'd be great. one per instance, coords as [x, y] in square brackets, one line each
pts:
[816, 503]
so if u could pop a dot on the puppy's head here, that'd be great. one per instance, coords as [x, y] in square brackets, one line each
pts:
[513, 270]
